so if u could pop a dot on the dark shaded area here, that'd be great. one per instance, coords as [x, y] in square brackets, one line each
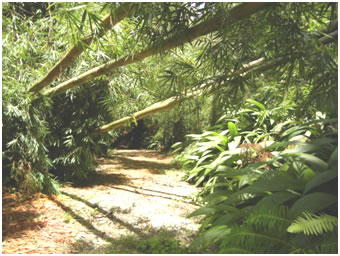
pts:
[153, 167]
[133, 153]
[127, 163]
[29, 9]
[102, 179]
[133, 139]
[14, 221]
[159, 241]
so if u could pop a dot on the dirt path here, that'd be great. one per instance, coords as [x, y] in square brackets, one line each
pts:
[135, 194]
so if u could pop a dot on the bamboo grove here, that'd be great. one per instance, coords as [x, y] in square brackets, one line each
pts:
[77, 77]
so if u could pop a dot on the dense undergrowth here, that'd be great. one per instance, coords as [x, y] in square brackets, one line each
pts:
[269, 182]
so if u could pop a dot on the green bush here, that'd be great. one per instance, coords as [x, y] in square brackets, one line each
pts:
[279, 198]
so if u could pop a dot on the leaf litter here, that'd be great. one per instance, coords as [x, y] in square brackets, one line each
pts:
[133, 193]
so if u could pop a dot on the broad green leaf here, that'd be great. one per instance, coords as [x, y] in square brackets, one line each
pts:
[320, 179]
[233, 216]
[275, 199]
[275, 182]
[232, 129]
[201, 211]
[323, 141]
[200, 180]
[269, 182]
[293, 131]
[224, 168]
[235, 143]
[312, 202]
[315, 162]
[226, 171]
[304, 147]
[216, 194]
[215, 233]
[258, 104]
[202, 159]
[333, 158]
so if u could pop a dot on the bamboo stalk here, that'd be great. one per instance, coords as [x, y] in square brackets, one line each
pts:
[174, 101]
[218, 22]
[123, 11]
[259, 65]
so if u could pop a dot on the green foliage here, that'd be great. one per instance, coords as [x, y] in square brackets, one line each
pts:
[25, 156]
[251, 200]
[312, 224]
[160, 243]
[73, 117]
[44, 140]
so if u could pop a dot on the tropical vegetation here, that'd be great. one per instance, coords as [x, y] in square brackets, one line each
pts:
[248, 100]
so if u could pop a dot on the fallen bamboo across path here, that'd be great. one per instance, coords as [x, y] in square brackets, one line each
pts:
[176, 100]
[155, 108]
[239, 12]
[124, 10]
[259, 65]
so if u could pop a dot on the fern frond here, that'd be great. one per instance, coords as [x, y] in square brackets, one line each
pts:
[270, 219]
[313, 224]
[247, 238]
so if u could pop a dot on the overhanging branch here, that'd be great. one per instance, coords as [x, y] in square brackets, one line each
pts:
[259, 65]
[239, 12]
[123, 11]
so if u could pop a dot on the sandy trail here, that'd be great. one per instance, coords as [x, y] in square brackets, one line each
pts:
[134, 193]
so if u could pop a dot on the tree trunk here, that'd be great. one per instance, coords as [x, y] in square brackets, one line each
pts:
[239, 12]
[124, 10]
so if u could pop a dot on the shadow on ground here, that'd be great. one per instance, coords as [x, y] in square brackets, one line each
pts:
[152, 240]
[87, 223]
[161, 241]
[150, 192]
[18, 216]
[102, 178]
[134, 164]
